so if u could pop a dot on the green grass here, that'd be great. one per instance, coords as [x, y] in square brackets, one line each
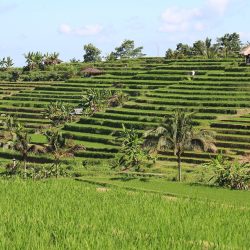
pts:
[66, 214]
[195, 191]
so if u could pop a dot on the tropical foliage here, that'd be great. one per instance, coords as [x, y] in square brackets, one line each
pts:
[97, 100]
[132, 154]
[39, 61]
[229, 174]
[8, 134]
[92, 53]
[60, 147]
[6, 63]
[225, 46]
[14, 136]
[177, 133]
[22, 144]
[126, 50]
[59, 112]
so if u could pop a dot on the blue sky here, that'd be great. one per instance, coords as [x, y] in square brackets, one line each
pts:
[65, 26]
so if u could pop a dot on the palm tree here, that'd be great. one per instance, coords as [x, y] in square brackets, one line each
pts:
[8, 134]
[8, 62]
[52, 59]
[178, 134]
[30, 60]
[60, 147]
[208, 47]
[22, 145]
[34, 60]
[39, 60]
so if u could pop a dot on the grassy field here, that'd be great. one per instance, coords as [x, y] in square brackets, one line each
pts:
[175, 189]
[70, 214]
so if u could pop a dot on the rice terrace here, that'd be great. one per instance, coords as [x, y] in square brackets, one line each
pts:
[114, 143]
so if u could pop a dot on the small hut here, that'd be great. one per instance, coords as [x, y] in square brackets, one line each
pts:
[88, 72]
[246, 52]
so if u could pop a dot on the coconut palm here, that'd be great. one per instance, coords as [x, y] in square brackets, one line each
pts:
[22, 145]
[178, 134]
[8, 62]
[52, 59]
[30, 60]
[34, 60]
[60, 147]
[8, 134]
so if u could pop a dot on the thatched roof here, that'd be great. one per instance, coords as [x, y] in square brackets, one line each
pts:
[245, 51]
[93, 71]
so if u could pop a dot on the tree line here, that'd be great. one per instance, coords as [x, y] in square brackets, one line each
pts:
[228, 45]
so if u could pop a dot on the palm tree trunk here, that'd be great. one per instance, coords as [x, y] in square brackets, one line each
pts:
[25, 169]
[179, 166]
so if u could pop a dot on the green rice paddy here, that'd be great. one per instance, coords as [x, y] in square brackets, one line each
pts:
[69, 214]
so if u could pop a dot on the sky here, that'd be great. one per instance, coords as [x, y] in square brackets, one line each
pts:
[65, 26]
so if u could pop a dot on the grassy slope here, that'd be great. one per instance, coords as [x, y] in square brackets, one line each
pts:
[182, 190]
[65, 214]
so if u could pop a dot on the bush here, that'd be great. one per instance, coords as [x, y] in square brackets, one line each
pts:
[233, 175]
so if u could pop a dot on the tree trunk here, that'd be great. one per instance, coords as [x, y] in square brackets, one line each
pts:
[25, 169]
[179, 166]
[56, 169]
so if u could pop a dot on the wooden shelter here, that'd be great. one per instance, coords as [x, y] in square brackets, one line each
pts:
[88, 72]
[246, 52]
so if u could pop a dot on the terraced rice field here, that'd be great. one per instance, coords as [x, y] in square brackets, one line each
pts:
[219, 93]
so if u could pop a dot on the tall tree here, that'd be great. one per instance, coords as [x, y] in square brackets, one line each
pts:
[22, 145]
[169, 54]
[199, 48]
[92, 53]
[178, 134]
[205, 48]
[127, 50]
[183, 50]
[229, 44]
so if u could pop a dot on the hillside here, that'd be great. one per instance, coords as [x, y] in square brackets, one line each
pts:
[219, 93]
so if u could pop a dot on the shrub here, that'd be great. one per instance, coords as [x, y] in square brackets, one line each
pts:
[234, 175]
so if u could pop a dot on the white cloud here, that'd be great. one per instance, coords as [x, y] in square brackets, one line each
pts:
[65, 29]
[176, 15]
[178, 19]
[87, 30]
[219, 6]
